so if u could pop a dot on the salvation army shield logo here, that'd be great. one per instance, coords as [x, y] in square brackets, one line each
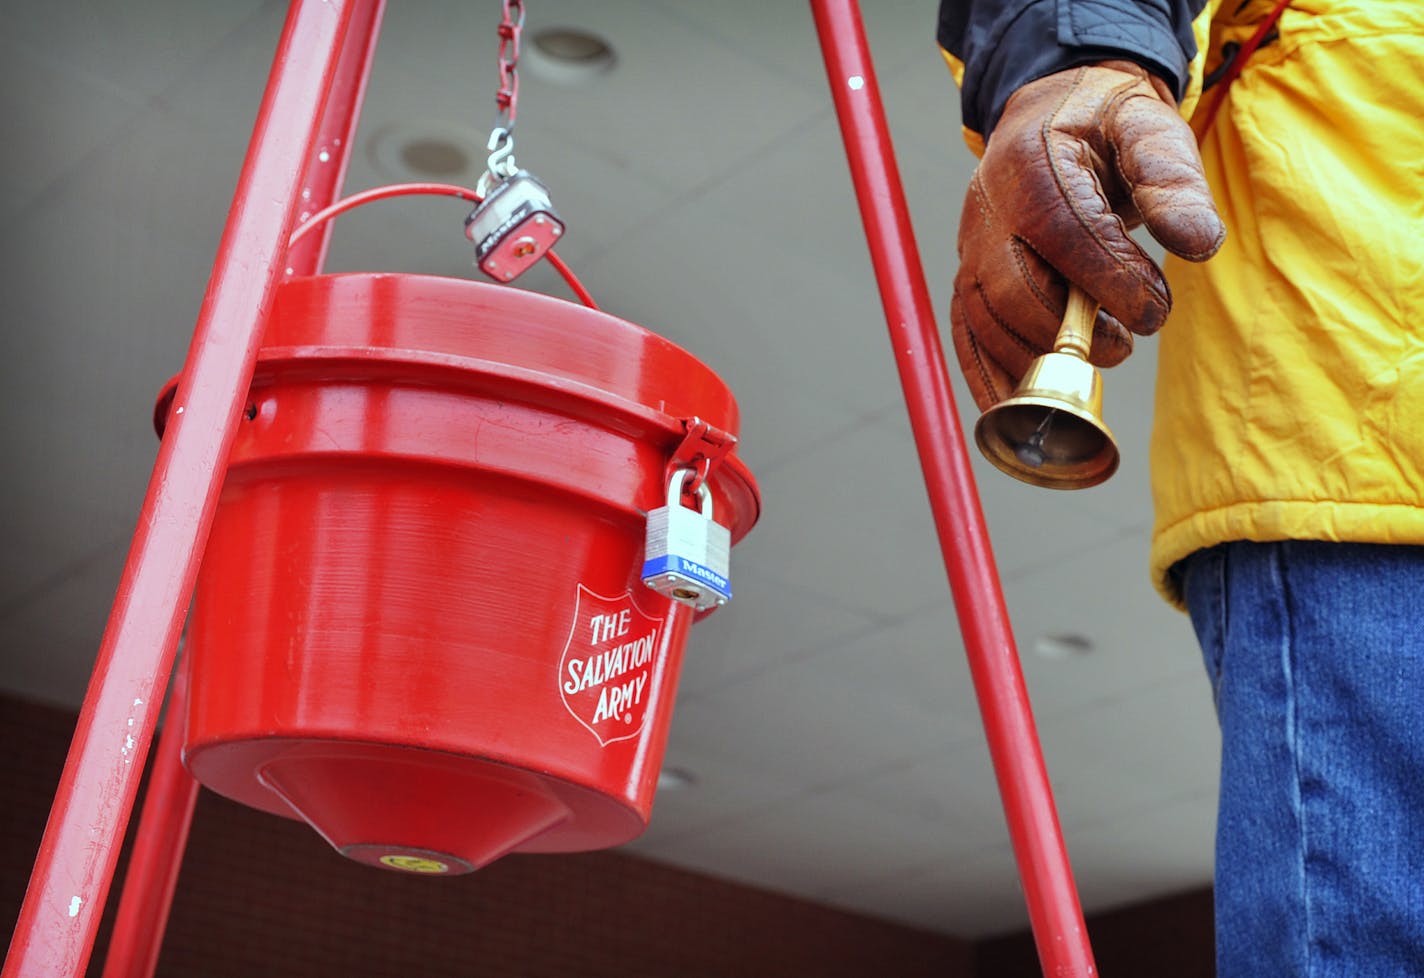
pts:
[606, 673]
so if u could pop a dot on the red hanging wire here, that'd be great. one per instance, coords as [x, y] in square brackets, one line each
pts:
[379, 193]
[438, 190]
[571, 279]
[1208, 116]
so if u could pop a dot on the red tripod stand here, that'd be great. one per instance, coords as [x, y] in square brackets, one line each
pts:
[301, 142]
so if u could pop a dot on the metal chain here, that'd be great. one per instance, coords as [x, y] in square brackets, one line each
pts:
[507, 98]
[501, 165]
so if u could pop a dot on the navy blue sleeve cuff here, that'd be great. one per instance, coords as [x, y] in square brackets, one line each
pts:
[1005, 44]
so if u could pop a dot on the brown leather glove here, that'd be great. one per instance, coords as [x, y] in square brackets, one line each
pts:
[1077, 160]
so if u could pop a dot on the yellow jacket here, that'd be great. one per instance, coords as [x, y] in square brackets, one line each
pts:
[1290, 390]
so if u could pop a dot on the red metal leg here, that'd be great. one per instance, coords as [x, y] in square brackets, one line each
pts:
[157, 852]
[162, 830]
[1052, 898]
[54, 936]
[331, 152]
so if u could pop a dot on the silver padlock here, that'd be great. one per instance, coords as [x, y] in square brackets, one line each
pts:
[513, 226]
[687, 552]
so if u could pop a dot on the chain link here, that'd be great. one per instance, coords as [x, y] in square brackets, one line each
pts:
[501, 165]
[507, 98]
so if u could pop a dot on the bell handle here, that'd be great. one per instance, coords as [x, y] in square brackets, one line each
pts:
[1075, 336]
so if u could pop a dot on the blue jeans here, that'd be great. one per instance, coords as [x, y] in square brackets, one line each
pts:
[1316, 657]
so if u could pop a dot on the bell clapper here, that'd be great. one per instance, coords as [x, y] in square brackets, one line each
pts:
[1030, 453]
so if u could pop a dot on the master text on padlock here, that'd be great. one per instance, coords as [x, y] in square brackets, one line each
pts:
[708, 575]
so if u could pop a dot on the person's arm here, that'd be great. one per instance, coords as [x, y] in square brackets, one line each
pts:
[1084, 143]
[998, 46]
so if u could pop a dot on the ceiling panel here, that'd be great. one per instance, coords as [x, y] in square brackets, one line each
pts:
[726, 649]
[33, 89]
[139, 52]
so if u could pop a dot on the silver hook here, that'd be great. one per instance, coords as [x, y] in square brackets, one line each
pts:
[501, 163]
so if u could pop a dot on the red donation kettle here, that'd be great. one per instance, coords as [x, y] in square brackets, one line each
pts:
[419, 624]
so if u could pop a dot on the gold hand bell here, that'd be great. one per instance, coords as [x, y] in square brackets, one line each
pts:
[1051, 432]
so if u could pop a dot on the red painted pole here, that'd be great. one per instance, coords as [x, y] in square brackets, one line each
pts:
[331, 152]
[161, 833]
[54, 936]
[1052, 898]
[157, 853]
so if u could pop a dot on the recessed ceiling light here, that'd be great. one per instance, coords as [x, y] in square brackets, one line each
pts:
[435, 157]
[427, 149]
[568, 55]
[1062, 646]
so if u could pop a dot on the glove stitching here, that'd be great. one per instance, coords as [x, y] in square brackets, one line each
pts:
[1116, 104]
[1017, 245]
[1103, 334]
[1059, 180]
[1206, 253]
[981, 199]
[1031, 348]
[990, 387]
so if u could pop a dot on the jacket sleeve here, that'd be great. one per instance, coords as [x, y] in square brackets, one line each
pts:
[994, 46]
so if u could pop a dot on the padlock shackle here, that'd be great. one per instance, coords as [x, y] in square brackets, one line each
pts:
[677, 488]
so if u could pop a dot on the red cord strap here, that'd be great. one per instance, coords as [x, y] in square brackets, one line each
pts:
[436, 189]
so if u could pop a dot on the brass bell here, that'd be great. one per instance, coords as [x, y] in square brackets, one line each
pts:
[1051, 432]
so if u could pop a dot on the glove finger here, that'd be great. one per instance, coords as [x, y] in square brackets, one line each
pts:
[1019, 305]
[1013, 330]
[1158, 161]
[1079, 232]
[1112, 343]
[1009, 323]
[1003, 287]
[988, 381]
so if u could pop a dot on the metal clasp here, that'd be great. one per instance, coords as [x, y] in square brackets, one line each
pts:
[702, 447]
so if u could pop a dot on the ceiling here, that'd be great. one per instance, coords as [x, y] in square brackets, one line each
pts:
[826, 716]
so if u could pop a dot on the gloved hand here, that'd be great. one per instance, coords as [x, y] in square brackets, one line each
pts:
[1077, 160]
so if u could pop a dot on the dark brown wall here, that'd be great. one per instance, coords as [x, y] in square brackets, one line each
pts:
[1168, 938]
[261, 895]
